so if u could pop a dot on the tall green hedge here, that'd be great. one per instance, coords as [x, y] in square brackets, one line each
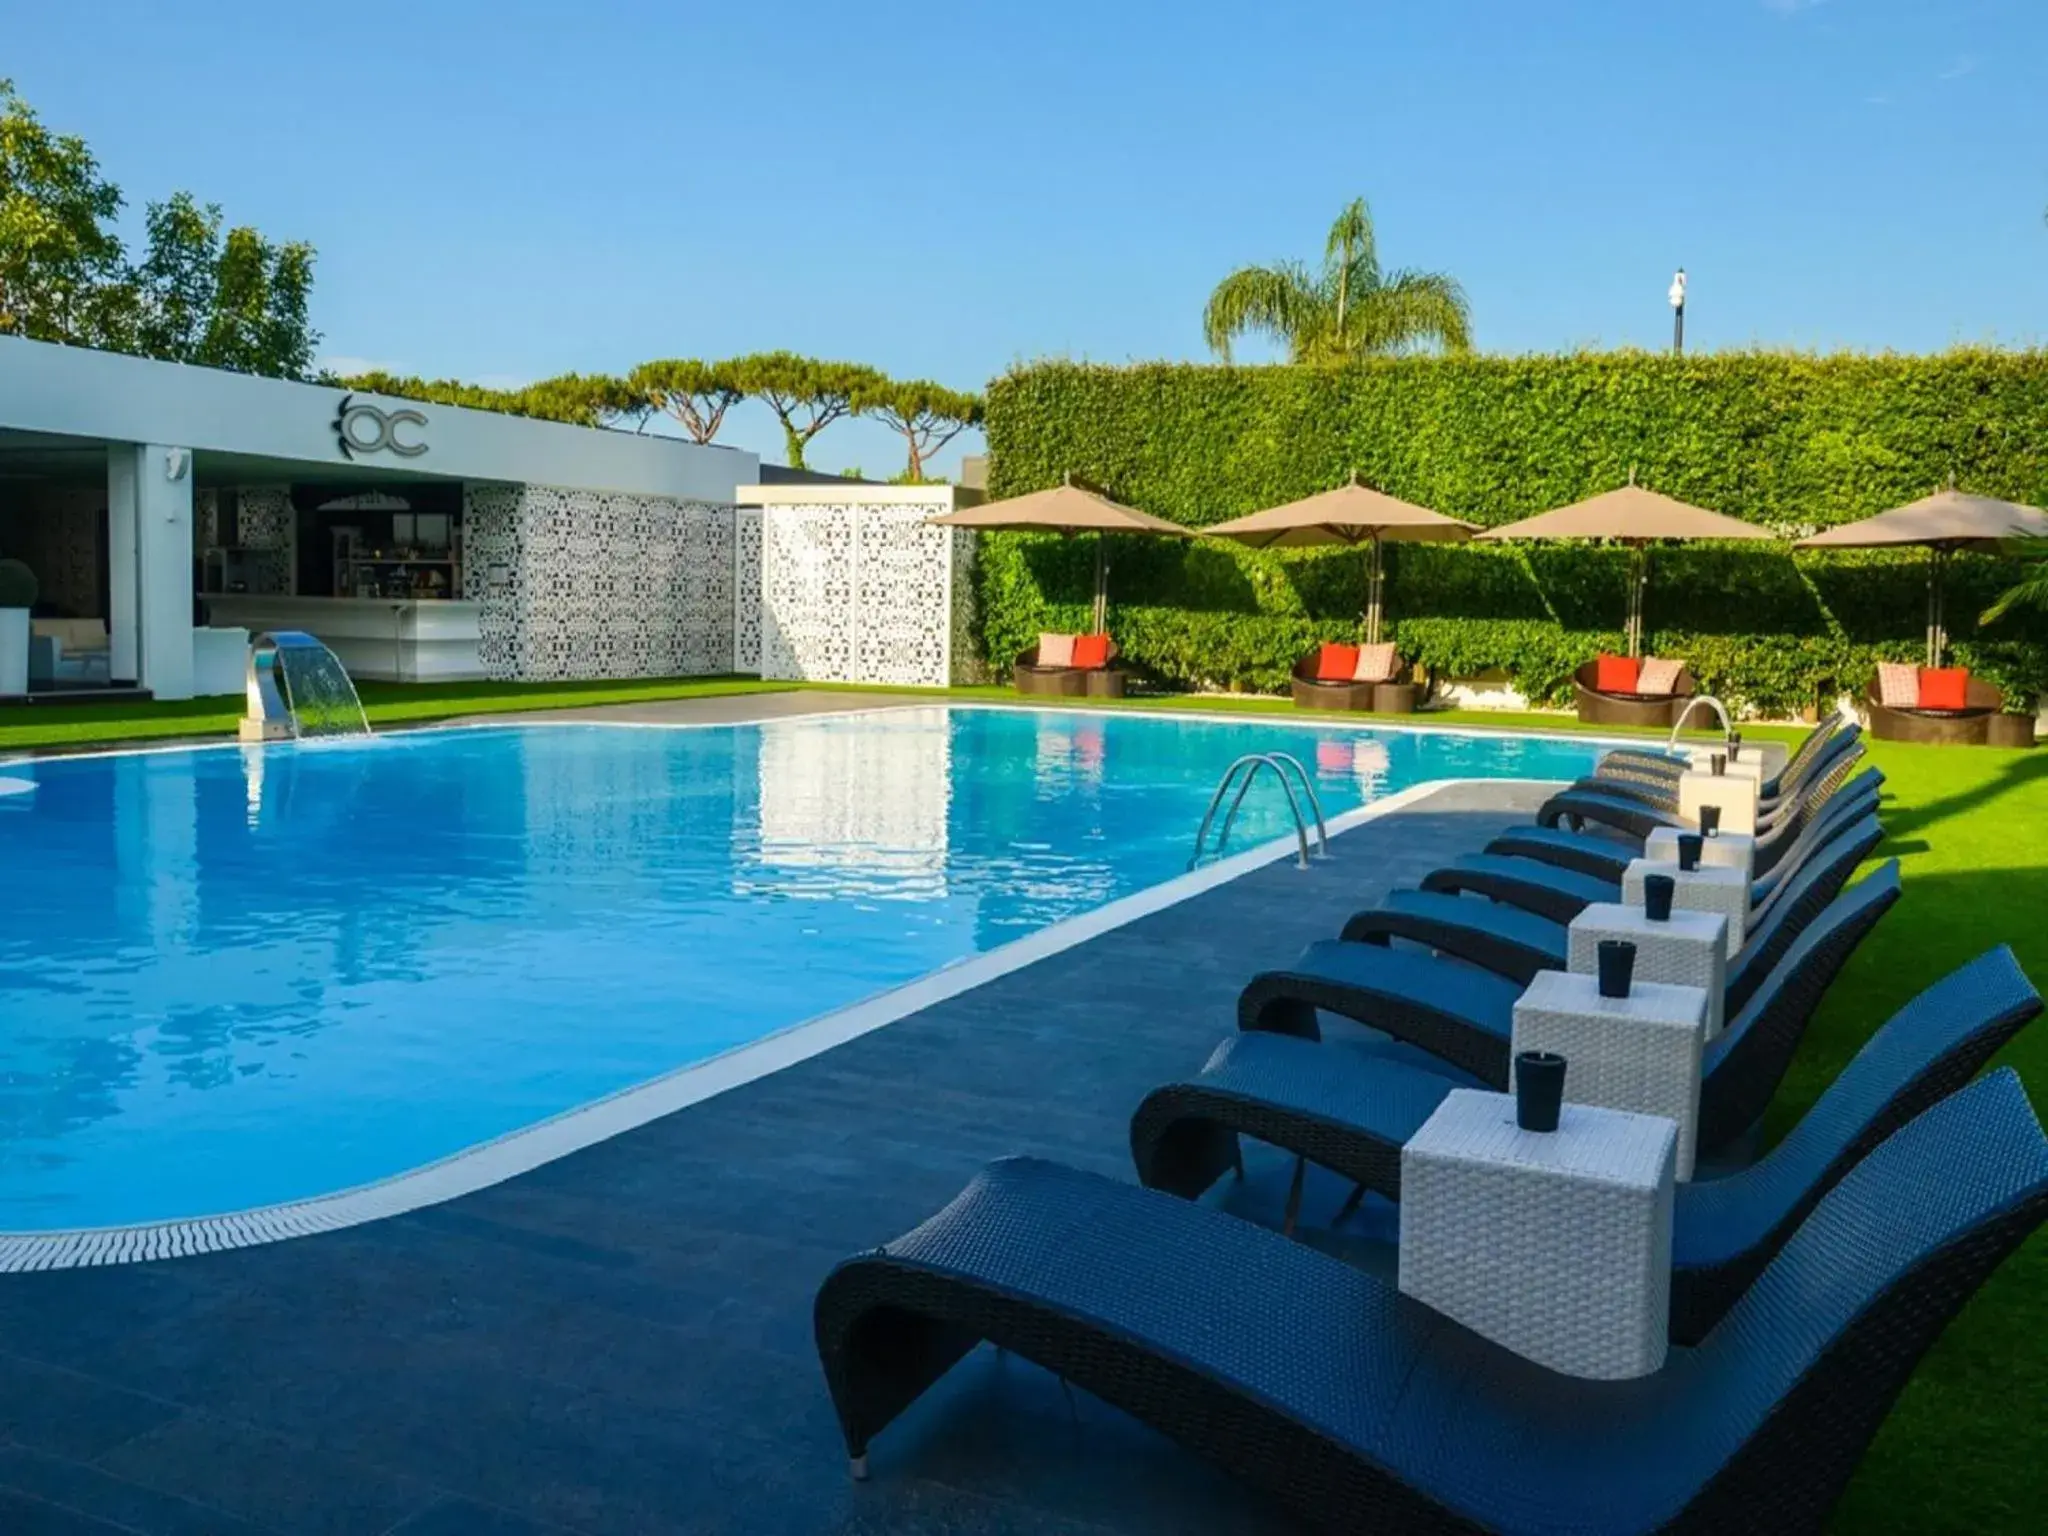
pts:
[1789, 442]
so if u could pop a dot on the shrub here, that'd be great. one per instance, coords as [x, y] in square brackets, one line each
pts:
[1789, 442]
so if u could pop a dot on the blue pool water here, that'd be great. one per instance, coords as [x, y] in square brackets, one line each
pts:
[235, 977]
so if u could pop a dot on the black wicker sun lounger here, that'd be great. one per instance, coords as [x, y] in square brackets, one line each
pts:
[1606, 853]
[1562, 894]
[1365, 1411]
[1351, 1112]
[1658, 786]
[1660, 763]
[1464, 1017]
[1360, 978]
[1618, 815]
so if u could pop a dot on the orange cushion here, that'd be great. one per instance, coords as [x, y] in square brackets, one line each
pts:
[1616, 674]
[1091, 651]
[1944, 687]
[1336, 663]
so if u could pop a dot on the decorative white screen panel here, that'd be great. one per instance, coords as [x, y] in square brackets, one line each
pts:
[60, 534]
[746, 590]
[205, 521]
[862, 592]
[266, 520]
[807, 616]
[592, 584]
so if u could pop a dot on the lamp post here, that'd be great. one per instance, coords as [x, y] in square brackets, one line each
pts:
[1677, 297]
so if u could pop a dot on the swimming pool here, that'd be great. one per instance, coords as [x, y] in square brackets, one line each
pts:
[235, 977]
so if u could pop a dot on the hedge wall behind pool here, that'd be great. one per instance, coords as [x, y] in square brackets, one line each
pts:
[1790, 442]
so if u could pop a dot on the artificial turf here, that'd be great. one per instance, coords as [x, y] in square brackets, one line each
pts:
[28, 727]
[1966, 1449]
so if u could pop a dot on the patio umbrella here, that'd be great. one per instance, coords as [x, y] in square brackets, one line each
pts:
[1351, 514]
[1635, 517]
[1066, 509]
[1942, 523]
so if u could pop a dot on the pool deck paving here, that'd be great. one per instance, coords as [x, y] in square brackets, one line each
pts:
[621, 1341]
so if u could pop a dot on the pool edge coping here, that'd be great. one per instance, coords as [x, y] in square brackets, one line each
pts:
[513, 720]
[521, 1151]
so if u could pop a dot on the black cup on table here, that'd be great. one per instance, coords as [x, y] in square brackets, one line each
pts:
[1734, 745]
[1689, 846]
[1617, 967]
[1719, 763]
[1657, 893]
[1710, 821]
[1539, 1089]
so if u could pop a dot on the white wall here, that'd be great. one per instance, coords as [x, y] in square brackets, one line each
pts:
[149, 516]
[857, 587]
[584, 584]
[124, 636]
[103, 395]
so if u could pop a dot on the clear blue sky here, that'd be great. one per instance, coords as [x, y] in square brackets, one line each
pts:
[506, 190]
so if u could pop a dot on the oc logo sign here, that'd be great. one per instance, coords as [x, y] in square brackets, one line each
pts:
[360, 428]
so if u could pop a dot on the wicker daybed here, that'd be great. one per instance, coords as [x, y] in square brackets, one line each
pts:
[1981, 721]
[1402, 694]
[1104, 682]
[1610, 708]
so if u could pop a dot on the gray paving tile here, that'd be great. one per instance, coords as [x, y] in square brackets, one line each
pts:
[267, 1479]
[94, 1493]
[462, 1517]
[21, 1515]
[64, 1413]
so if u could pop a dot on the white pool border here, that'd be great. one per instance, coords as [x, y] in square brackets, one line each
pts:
[884, 703]
[521, 1151]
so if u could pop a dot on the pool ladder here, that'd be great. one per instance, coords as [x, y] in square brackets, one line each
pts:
[1242, 773]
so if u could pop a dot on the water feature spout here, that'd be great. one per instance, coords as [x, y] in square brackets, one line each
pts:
[299, 689]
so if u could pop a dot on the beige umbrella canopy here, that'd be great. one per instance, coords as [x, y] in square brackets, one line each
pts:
[1066, 509]
[1942, 523]
[1636, 517]
[1351, 514]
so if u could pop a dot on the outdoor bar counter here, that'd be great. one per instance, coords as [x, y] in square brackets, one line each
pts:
[384, 639]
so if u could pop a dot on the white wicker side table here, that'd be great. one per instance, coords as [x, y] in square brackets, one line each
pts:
[1724, 850]
[1748, 766]
[1705, 889]
[1689, 949]
[1736, 796]
[1556, 1245]
[1640, 1052]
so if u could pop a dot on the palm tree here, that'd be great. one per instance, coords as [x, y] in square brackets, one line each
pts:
[2030, 591]
[1351, 309]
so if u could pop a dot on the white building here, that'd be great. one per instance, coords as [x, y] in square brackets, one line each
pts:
[168, 511]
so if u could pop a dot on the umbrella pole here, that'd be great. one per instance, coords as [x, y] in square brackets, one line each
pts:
[1101, 583]
[1638, 584]
[1375, 586]
[1937, 606]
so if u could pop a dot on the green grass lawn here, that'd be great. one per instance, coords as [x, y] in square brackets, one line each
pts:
[84, 725]
[1967, 1447]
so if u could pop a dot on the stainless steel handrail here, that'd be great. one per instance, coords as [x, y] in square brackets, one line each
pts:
[1308, 790]
[1250, 764]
